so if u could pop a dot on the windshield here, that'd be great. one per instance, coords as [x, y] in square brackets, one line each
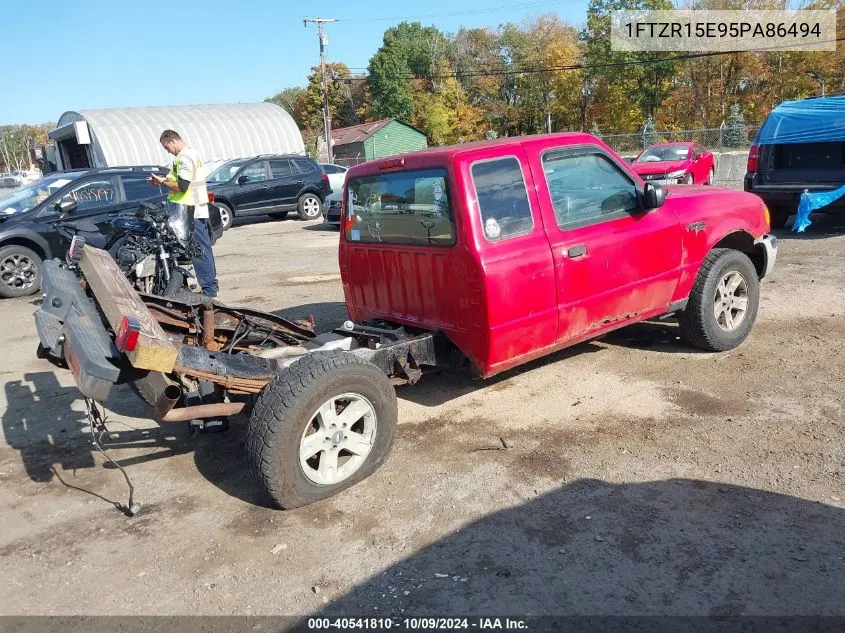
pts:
[225, 172]
[30, 196]
[664, 153]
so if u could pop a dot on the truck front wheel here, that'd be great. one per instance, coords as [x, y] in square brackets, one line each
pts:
[324, 424]
[723, 303]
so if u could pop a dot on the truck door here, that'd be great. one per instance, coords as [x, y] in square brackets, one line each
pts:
[518, 270]
[614, 262]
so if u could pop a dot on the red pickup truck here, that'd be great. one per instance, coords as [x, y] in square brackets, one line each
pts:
[484, 256]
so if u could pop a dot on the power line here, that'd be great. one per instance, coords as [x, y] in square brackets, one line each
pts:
[633, 62]
[512, 7]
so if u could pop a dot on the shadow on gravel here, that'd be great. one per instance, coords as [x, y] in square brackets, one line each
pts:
[247, 220]
[323, 227]
[42, 426]
[654, 336]
[439, 387]
[39, 423]
[822, 225]
[677, 547]
[327, 315]
[221, 459]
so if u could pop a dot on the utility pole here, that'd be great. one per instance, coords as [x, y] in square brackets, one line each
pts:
[327, 117]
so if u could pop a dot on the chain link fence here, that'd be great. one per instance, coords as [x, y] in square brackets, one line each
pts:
[730, 169]
[713, 139]
[349, 161]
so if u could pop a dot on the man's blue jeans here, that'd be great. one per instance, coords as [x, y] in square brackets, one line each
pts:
[204, 265]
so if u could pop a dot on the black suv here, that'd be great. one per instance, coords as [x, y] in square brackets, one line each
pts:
[28, 216]
[272, 185]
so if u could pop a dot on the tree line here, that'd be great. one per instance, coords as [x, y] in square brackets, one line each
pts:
[545, 73]
[16, 141]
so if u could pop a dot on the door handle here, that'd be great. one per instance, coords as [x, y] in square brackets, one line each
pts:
[576, 252]
[266, 187]
[299, 182]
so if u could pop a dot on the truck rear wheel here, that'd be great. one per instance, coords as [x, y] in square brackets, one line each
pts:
[723, 303]
[324, 424]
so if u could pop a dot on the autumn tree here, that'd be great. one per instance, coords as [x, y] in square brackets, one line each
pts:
[408, 50]
[440, 111]
[15, 144]
[308, 106]
[629, 86]
[482, 74]
[286, 98]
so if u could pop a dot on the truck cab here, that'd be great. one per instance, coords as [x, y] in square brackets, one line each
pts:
[518, 247]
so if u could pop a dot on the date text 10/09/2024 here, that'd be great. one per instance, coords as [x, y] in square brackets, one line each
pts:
[416, 624]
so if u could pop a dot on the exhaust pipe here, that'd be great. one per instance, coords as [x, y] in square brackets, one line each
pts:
[200, 411]
[208, 327]
[166, 401]
[164, 412]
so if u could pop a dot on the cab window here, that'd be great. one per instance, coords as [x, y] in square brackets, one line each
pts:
[586, 188]
[502, 198]
[409, 207]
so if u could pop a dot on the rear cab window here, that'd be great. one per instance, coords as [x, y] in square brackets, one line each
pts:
[409, 207]
[502, 198]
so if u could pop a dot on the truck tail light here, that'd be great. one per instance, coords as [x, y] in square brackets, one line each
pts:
[77, 244]
[753, 159]
[210, 197]
[325, 176]
[127, 334]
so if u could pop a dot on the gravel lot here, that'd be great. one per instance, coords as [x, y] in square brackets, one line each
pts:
[640, 476]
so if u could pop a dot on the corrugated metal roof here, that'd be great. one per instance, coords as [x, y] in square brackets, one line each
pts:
[357, 133]
[129, 136]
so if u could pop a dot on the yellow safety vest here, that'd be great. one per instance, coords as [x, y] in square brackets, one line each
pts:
[197, 193]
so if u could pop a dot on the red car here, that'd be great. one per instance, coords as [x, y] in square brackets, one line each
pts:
[676, 163]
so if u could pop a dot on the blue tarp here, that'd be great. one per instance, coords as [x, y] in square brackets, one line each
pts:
[812, 201]
[819, 120]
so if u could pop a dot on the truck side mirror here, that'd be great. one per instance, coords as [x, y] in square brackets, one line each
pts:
[242, 180]
[654, 196]
[66, 207]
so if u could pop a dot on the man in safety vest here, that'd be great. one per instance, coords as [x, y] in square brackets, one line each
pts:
[186, 182]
